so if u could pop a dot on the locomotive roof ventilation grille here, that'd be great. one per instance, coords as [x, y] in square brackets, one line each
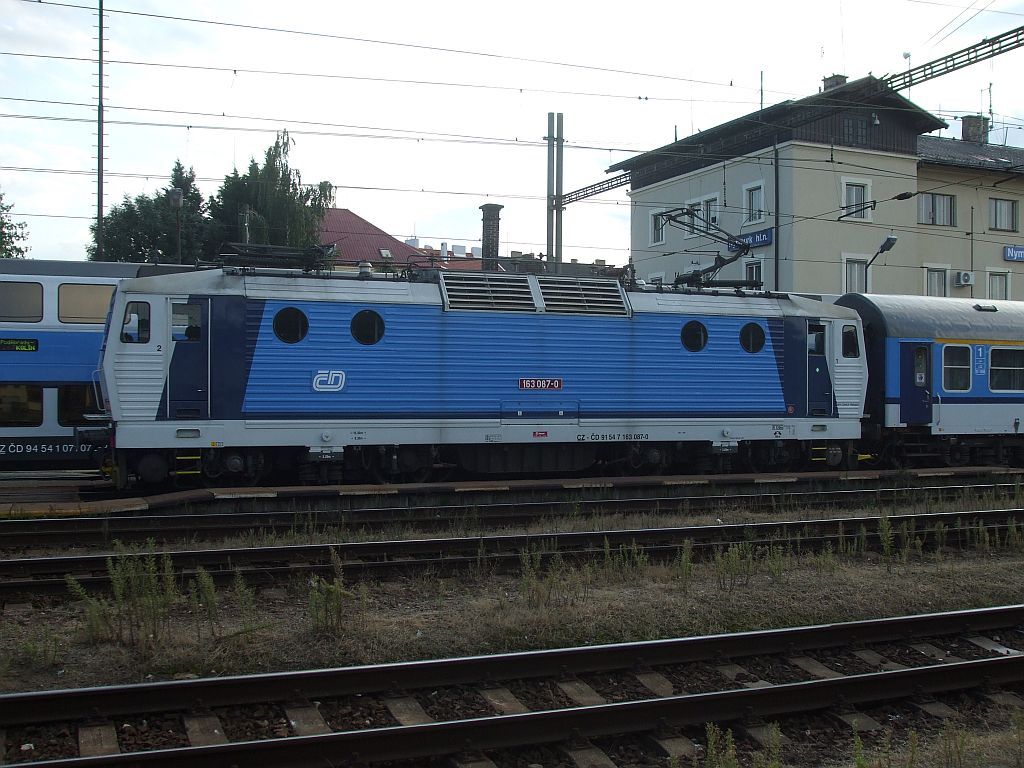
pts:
[470, 290]
[582, 295]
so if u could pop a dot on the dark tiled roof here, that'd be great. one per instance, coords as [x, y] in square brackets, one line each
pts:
[968, 154]
[359, 240]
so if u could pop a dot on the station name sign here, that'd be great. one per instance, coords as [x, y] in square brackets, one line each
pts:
[755, 239]
[19, 345]
[1013, 253]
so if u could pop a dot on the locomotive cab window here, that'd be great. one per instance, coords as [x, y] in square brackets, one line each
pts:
[694, 336]
[74, 403]
[135, 326]
[186, 322]
[956, 368]
[21, 405]
[79, 303]
[851, 344]
[815, 339]
[21, 302]
[291, 325]
[752, 338]
[1006, 369]
[367, 327]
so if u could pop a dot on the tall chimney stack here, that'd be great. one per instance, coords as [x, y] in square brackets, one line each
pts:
[974, 128]
[832, 81]
[490, 235]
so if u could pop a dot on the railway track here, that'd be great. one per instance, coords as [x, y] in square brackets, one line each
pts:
[21, 577]
[472, 709]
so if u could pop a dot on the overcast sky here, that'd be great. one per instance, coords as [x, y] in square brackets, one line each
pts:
[421, 112]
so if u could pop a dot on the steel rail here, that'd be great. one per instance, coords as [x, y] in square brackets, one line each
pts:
[111, 701]
[40, 532]
[46, 575]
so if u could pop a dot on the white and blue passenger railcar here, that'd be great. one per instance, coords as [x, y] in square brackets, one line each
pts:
[233, 372]
[947, 378]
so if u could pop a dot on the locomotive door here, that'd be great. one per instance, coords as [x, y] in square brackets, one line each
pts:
[188, 374]
[819, 383]
[915, 383]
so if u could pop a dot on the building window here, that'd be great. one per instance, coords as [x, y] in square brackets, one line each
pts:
[21, 405]
[855, 131]
[936, 283]
[21, 302]
[1006, 370]
[855, 198]
[753, 208]
[935, 209]
[956, 368]
[856, 276]
[657, 228]
[999, 285]
[1002, 214]
[709, 210]
[753, 272]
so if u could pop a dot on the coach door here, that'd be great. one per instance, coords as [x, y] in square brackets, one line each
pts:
[819, 383]
[188, 376]
[915, 383]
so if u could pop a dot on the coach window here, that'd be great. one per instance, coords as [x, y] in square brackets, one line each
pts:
[694, 336]
[956, 368]
[851, 344]
[291, 325]
[367, 327]
[21, 302]
[135, 327]
[186, 322]
[74, 403]
[21, 405]
[78, 303]
[1006, 370]
[752, 338]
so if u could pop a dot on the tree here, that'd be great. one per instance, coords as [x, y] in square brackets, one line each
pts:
[146, 228]
[270, 205]
[12, 233]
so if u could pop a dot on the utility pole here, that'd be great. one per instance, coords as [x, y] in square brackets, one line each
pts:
[99, 147]
[559, 208]
[550, 138]
[555, 205]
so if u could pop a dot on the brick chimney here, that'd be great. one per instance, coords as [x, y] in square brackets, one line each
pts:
[974, 128]
[832, 81]
[490, 234]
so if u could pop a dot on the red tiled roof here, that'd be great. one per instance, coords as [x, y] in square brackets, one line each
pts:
[359, 240]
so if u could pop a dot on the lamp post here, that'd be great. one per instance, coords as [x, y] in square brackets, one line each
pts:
[886, 245]
[176, 198]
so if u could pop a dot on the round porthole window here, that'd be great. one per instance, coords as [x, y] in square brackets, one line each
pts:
[694, 336]
[752, 338]
[367, 327]
[291, 325]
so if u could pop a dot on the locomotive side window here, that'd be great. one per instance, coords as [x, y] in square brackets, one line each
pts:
[815, 339]
[21, 302]
[752, 338]
[78, 303]
[291, 325]
[1006, 370]
[74, 401]
[956, 368]
[851, 345]
[135, 326]
[21, 405]
[186, 322]
[694, 336]
[367, 327]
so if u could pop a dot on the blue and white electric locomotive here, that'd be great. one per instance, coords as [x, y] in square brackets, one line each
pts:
[229, 373]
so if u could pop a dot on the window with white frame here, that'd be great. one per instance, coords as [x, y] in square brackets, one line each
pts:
[709, 210]
[1006, 369]
[956, 368]
[753, 271]
[855, 199]
[1002, 214]
[999, 285]
[936, 209]
[855, 276]
[657, 228]
[936, 282]
[705, 210]
[753, 203]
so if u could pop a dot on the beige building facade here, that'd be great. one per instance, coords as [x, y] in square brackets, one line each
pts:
[816, 212]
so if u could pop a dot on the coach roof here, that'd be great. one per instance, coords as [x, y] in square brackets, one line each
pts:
[931, 317]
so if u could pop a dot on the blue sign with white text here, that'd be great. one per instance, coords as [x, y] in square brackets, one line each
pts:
[756, 239]
[1013, 253]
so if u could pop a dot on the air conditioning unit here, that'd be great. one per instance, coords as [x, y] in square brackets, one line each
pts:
[963, 279]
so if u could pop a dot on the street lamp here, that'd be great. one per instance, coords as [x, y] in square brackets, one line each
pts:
[886, 245]
[176, 198]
